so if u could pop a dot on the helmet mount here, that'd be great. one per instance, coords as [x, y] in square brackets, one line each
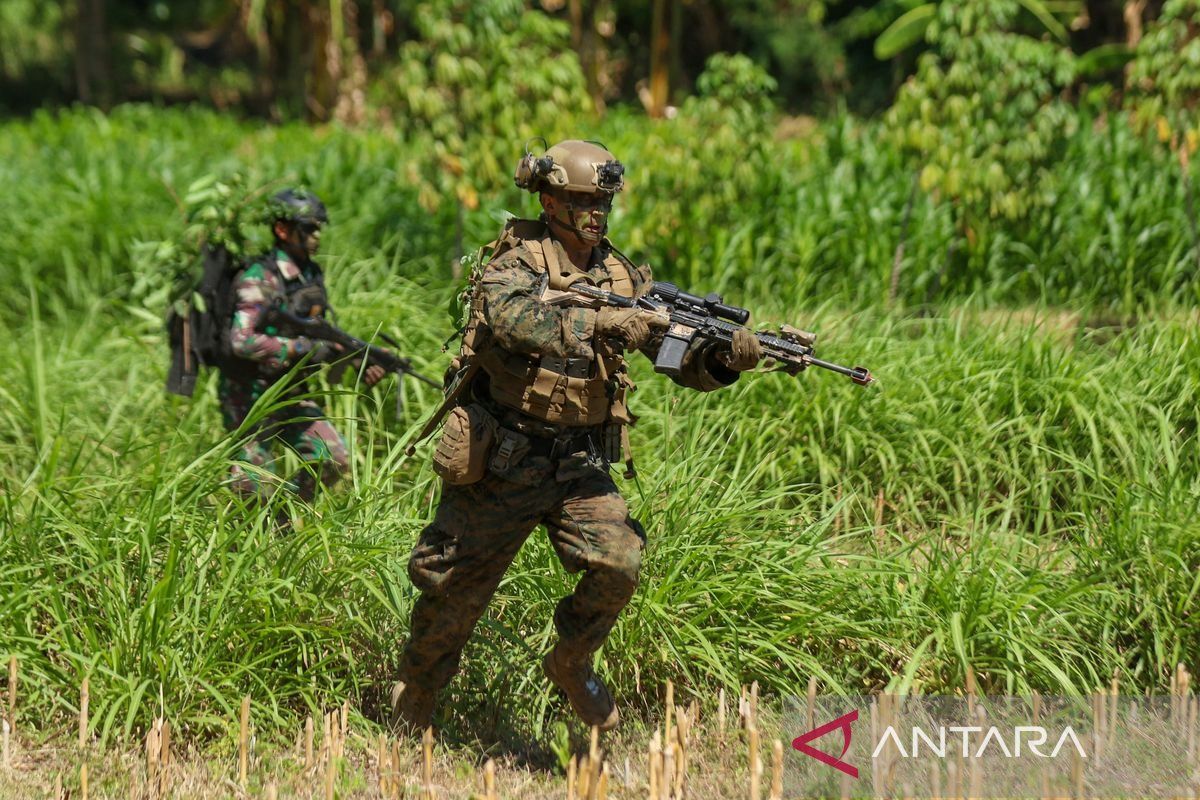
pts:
[573, 165]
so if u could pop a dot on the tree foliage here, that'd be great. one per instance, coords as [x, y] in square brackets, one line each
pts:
[27, 40]
[983, 117]
[714, 157]
[478, 81]
[1164, 78]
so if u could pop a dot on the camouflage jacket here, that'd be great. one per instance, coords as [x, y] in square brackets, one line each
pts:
[267, 281]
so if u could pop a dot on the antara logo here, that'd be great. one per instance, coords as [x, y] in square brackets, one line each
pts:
[1031, 736]
[841, 723]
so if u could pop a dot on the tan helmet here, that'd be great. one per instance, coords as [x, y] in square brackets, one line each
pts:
[574, 166]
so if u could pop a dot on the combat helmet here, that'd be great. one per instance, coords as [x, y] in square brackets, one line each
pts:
[572, 165]
[297, 205]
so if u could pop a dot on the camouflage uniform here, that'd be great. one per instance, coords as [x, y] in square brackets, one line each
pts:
[560, 481]
[264, 358]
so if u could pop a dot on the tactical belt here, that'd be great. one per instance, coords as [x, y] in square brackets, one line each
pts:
[562, 445]
[571, 367]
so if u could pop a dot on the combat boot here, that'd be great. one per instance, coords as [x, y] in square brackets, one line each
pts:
[586, 692]
[412, 709]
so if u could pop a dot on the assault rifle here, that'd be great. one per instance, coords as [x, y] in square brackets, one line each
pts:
[706, 318]
[288, 324]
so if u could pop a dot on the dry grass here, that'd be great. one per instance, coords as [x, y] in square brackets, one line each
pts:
[716, 769]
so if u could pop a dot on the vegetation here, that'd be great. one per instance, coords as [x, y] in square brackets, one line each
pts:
[1011, 248]
[318, 59]
[1018, 495]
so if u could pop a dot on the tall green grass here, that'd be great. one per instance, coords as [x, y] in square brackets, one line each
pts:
[819, 215]
[1038, 469]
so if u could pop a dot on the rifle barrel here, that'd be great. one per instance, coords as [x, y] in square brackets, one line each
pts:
[860, 375]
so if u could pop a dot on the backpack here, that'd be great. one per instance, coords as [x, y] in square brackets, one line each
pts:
[200, 336]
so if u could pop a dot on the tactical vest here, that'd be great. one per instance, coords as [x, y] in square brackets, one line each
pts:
[306, 298]
[570, 392]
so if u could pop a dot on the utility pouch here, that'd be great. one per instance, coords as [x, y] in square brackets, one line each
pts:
[461, 454]
[511, 447]
[611, 441]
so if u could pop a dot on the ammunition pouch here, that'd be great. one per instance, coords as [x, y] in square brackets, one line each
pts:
[612, 440]
[563, 445]
[571, 367]
[310, 300]
[460, 457]
[555, 390]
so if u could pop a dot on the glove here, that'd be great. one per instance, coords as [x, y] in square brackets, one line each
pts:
[744, 351]
[631, 325]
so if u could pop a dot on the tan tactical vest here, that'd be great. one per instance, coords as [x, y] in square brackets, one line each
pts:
[573, 394]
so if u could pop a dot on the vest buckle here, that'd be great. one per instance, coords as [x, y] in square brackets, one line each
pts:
[503, 454]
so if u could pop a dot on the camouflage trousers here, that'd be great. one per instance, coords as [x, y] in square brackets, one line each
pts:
[475, 534]
[302, 426]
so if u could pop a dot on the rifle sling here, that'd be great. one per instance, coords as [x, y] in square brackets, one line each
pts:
[464, 380]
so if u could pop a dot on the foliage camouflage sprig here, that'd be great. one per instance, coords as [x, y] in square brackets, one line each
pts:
[217, 213]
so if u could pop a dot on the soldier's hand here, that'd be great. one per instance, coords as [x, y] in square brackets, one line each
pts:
[374, 374]
[744, 351]
[323, 352]
[631, 325]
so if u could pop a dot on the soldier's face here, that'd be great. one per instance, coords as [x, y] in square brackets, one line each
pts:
[310, 236]
[584, 215]
[299, 238]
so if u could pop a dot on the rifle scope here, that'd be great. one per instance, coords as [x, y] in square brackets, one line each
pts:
[670, 294]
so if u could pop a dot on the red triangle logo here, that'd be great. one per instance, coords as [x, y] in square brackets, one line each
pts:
[843, 723]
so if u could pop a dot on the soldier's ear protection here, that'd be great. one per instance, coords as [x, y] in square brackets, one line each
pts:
[532, 169]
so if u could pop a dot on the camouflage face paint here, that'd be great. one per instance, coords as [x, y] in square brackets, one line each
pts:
[585, 214]
[309, 235]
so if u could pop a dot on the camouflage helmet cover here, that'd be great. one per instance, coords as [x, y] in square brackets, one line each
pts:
[574, 166]
[297, 205]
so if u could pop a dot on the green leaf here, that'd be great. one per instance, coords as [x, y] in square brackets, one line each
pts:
[1105, 58]
[1039, 10]
[905, 32]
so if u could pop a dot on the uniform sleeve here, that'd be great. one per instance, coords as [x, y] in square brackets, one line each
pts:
[254, 290]
[523, 324]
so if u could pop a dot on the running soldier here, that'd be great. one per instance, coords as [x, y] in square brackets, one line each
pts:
[537, 413]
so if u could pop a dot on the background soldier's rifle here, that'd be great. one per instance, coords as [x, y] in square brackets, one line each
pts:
[286, 323]
[693, 317]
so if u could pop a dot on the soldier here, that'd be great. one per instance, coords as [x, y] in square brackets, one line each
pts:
[537, 413]
[288, 276]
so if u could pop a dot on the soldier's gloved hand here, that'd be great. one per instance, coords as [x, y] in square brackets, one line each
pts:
[631, 325]
[744, 351]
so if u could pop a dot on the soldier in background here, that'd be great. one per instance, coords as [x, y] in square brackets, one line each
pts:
[290, 278]
[537, 413]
